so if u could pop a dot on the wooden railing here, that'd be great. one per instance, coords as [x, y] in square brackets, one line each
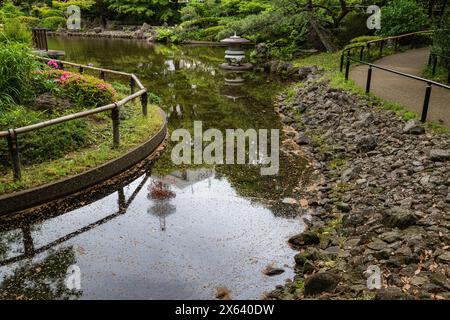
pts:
[12, 134]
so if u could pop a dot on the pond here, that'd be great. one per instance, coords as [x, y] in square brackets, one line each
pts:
[220, 227]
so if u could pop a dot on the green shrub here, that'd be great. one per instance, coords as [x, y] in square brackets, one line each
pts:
[201, 23]
[30, 22]
[44, 144]
[14, 31]
[402, 16]
[211, 34]
[167, 35]
[9, 11]
[53, 23]
[15, 73]
[364, 39]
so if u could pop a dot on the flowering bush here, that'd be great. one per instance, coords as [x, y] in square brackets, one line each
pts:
[53, 64]
[84, 90]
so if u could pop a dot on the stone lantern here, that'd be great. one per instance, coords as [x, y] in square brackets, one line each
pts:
[235, 55]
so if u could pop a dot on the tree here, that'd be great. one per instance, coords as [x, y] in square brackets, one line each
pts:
[156, 10]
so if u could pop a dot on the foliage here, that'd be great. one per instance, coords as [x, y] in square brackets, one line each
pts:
[159, 10]
[167, 35]
[35, 146]
[64, 4]
[402, 16]
[9, 11]
[14, 31]
[364, 39]
[15, 71]
[53, 23]
[30, 22]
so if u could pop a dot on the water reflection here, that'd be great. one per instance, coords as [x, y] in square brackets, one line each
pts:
[177, 232]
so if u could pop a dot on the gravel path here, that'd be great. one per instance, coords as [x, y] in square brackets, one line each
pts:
[407, 92]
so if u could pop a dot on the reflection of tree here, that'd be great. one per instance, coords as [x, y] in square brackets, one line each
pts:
[42, 280]
[161, 195]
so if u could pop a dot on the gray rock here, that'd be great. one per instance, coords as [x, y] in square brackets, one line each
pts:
[399, 217]
[146, 27]
[391, 293]
[303, 140]
[440, 280]
[271, 271]
[321, 282]
[98, 30]
[367, 143]
[306, 238]
[377, 245]
[344, 207]
[439, 155]
[413, 127]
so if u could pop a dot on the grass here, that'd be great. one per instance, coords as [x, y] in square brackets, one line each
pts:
[134, 129]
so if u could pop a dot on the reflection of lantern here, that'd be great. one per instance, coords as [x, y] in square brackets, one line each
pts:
[235, 55]
[161, 194]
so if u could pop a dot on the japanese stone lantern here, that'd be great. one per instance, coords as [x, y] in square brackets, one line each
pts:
[235, 55]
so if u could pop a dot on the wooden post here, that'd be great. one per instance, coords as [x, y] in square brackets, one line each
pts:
[396, 44]
[381, 47]
[426, 103]
[144, 103]
[132, 85]
[14, 154]
[80, 69]
[115, 115]
[369, 79]
[341, 66]
[102, 75]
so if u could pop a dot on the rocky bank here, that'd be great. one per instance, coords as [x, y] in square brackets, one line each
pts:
[384, 201]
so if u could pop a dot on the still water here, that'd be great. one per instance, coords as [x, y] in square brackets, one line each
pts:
[220, 227]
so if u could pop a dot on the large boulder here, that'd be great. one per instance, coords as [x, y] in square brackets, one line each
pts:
[321, 282]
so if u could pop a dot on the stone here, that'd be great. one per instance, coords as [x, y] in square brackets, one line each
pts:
[303, 140]
[439, 155]
[390, 293]
[367, 143]
[440, 280]
[413, 127]
[321, 282]
[390, 236]
[146, 27]
[377, 245]
[138, 34]
[445, 257]
[399, 217]
[418, 281]
[48, 101]
[304, 239]
[272, 271]
[98, 30]
[342, 206]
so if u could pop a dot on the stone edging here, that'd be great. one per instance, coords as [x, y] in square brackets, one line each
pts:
[38, 195]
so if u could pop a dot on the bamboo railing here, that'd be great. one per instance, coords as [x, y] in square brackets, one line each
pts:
[12, 134]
